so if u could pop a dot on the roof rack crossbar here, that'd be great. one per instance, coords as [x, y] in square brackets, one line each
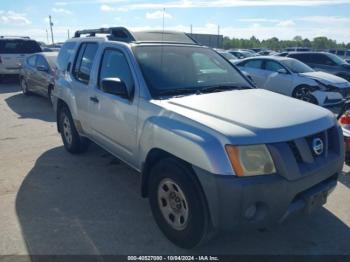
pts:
[115, 33]
[14, 36]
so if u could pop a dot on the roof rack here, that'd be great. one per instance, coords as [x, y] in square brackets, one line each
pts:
[153, 36]
[14, 36]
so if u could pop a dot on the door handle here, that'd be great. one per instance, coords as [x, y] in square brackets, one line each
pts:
[94, 99]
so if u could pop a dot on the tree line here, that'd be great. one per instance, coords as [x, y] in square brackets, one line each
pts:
[318, 43]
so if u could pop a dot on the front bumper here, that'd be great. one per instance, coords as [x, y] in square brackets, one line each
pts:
[263, 200]
[260, 201]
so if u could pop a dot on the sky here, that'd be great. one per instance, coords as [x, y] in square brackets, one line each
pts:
[264, 19]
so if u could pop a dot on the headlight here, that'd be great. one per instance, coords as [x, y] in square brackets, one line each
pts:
[250, 160]
[322, 86]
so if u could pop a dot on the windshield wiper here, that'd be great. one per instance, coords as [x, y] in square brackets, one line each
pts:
[177, 91]
[220, 88]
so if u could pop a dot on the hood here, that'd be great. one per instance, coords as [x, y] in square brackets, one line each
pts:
[325, 78]
[252, 116]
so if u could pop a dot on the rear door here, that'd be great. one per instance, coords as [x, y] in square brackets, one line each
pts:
[41, 77]
[29, 71]
[81, 73]
[276, 80]
[254, 68]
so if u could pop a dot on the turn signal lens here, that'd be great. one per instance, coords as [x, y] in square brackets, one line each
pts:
[250, 160]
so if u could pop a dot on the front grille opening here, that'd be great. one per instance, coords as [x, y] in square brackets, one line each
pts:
[295, 151]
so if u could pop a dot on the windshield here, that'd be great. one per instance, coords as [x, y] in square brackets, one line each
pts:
[336, 59]
[296, 66]
[185, 69]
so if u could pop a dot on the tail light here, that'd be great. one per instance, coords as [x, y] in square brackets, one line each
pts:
[345, 119]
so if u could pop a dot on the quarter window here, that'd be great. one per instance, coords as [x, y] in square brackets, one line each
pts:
[115, 65]
[83, 64]
[64, 55]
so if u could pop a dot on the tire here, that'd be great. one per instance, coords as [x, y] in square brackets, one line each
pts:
[72, 141]
[174, 192]
[49, 93]
[24, 87]
[304, 93]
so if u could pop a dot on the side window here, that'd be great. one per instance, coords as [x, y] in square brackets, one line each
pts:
[40, 61]
[64, 55]
[257, 64]
[303, 58]
[84, 61]
[324, 59]
[272, 66]
[115, 65]
[30, 47]
[31, 60]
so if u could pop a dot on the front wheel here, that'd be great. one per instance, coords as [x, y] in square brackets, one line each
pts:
[177, 203]
[72, 141]
[304, 93]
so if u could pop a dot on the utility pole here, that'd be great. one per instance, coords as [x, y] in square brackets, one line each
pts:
[218, 44]
[191, 29]
[51, 25]
[68, 34]
[47, 36]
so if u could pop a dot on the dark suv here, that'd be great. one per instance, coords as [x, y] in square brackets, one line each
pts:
[13, 51]
[323, 61]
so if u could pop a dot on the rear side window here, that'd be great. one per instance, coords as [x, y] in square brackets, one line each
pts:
[84, 61]
[257, 64]
[64, 55]
[31, 60]
[114, 64]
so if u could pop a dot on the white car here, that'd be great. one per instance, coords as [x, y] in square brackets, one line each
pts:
[291, 77]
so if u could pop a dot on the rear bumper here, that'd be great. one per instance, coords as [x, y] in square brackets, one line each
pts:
[5, 71]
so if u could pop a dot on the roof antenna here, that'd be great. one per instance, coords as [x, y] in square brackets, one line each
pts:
[163, 24]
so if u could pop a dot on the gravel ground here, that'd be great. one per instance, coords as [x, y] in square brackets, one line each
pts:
[54, 203]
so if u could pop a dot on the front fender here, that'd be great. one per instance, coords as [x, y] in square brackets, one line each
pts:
[199, 147]
[64, 92]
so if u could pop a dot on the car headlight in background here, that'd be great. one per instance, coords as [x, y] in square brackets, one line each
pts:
[322, 86]
[250, 160]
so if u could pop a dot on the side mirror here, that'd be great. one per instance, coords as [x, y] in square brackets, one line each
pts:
[42, 68]
[282, 71]
[115, 86]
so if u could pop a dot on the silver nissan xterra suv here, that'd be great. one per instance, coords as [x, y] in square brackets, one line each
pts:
[214, 152]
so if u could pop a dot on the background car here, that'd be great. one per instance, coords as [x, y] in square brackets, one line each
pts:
[37, 74]
[344, 54]
[240, 54]
[297, 49]
[323, 61]
[13, 51]
[293, 78]
[230, 57]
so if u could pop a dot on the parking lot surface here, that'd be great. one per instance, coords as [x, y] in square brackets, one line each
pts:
[52, 202]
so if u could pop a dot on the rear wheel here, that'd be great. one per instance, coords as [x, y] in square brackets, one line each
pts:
[73, 142]
[24, 87]
[304, 93]
[178, 204]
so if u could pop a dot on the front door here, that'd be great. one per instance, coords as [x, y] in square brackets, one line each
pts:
[114, 118]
